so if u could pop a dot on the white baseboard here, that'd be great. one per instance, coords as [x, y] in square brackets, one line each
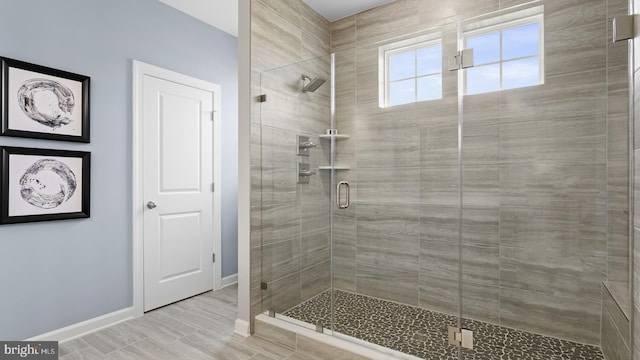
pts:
[229, 280]
[85, 327]
[242, 328]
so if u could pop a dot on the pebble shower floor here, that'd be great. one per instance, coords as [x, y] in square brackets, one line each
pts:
[423, 333]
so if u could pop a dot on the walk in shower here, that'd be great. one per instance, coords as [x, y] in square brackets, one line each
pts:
[449, 180]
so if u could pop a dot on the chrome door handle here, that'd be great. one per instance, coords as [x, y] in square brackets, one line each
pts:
[151, 205]
[339, 202]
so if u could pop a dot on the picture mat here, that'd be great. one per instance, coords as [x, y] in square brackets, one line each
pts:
[18, 120]
[18, 165]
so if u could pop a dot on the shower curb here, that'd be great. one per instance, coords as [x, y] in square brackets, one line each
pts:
[321, 346]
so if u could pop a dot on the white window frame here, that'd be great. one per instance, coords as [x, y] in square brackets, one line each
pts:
[385, 51]
[500, 27]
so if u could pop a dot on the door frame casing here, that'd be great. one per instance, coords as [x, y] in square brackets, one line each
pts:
[139, 71]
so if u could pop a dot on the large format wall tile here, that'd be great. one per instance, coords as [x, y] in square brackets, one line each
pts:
[433, 13]
[315, 280]
[618, 93]
[388, 236]
[618, 184]
[577, 139]
[440, 259]
[386, 142]
[389, 185]
[280, 222]
[440, 223]
[480, 187]
[343, 33]
[440, 186]
[481, 265]
[575, 36]
[552, 272]
[288, 10]
[439, 294]
[399, 18]
[275, 40]
[481, 109]
[617, 316]
[388, 284]
[316, 33]
[573, 96]
[553, 184]
[280, 259]
[565, 231]
[569, 318]
[481, 226]
[282, 294]
[481, 144]
[439, 146]
[314, 248]
[480, 302]
[618, 246]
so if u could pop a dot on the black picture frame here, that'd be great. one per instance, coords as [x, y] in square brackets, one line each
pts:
[28, 177]
[21, 117]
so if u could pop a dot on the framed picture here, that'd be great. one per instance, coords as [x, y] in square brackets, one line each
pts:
[42, 185]
[43, 103]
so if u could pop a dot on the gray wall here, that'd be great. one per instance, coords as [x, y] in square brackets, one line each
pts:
[59, 273]
[545, 188]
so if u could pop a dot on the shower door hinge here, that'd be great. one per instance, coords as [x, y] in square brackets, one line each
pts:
[462, 337]
[461, 60]
[262, 98]
[263, 285]
[623, 28]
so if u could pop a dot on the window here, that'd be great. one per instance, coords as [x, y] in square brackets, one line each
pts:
[506, 56]
[412, 72]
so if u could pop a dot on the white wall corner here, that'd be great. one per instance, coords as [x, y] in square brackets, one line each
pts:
[244, 166]
[242, 328]
[229, 280]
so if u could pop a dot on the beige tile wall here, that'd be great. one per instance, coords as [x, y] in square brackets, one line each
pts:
[615, 325]
[545, 188]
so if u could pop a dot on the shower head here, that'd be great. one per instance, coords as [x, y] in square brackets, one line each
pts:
[313, 85]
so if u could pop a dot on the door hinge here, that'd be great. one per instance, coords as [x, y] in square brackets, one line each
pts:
[213, 187]
[213, 257]
[460, 337]
[461, 60]
[262, 98]
[623, 28]
[263, 285]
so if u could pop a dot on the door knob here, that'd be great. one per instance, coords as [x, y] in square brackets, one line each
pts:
[151, 205]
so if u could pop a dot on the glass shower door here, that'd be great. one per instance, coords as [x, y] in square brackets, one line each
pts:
[535, 120]
[296, 189]
[395, 249]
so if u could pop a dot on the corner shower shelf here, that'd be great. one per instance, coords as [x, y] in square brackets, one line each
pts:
[335, 167]
[336, 136]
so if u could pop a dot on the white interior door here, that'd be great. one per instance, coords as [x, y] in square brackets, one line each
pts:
[178, 195]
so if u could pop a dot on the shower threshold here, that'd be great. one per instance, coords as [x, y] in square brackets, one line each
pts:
[423, 333]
